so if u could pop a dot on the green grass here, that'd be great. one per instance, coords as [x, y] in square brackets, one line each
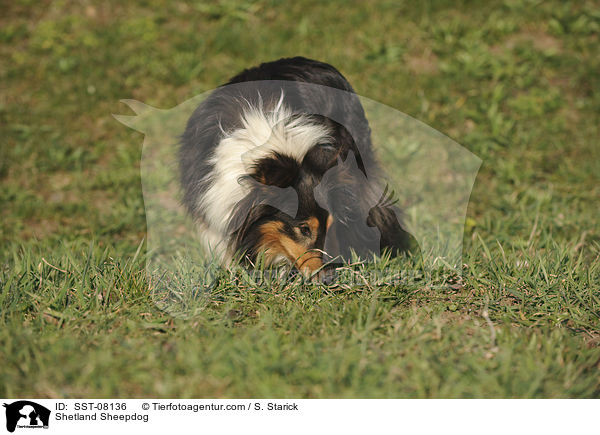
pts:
[515, 82]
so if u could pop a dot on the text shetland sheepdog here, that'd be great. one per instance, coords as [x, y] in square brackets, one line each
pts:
[269, 168]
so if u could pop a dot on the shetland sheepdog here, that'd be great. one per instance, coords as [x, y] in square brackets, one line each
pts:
[278, 164]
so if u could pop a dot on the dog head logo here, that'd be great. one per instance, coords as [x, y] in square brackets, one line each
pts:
[349, 231]
[26, 414]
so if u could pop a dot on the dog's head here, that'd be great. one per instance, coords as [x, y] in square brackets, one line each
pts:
[303, 208]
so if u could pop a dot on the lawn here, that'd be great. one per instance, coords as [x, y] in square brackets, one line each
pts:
[514, 82]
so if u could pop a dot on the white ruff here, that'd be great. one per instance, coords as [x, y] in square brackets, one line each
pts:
[263, 133]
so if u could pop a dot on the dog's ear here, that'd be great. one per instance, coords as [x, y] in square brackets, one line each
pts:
[276, 170]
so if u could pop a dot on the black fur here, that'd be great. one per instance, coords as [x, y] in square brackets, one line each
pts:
[351, 138]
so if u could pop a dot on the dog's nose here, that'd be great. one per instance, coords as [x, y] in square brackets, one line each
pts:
[328, 276]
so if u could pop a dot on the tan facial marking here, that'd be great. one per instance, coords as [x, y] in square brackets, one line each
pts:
[313, 224]
[276, 243]
[270, 241]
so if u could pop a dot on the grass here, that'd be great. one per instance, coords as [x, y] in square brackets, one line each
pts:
[515, 82]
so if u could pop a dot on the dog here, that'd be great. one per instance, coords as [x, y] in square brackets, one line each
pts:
[278, 165]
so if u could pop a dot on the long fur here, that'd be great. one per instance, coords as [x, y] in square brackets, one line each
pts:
[262, 174]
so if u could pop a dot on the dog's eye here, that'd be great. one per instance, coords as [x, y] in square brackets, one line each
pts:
[305, 230]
